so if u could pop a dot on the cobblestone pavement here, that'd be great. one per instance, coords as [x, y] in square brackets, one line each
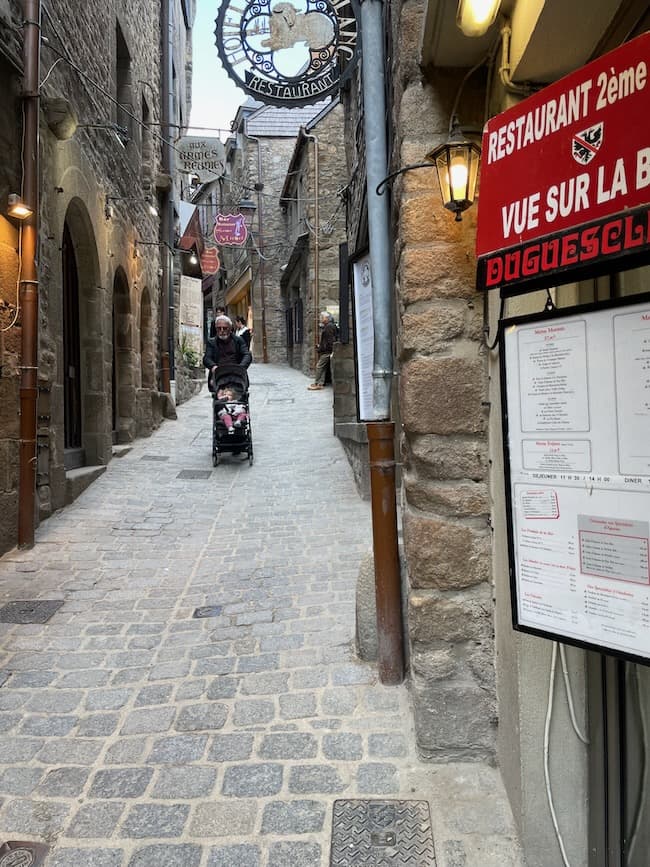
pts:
[133, 734]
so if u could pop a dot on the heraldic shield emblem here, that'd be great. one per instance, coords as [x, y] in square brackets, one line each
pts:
[586, 144]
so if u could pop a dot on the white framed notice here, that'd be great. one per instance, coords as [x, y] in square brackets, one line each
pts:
[576, 416]
[364, 333]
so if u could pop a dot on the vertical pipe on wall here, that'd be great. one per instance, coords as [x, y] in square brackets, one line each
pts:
[381, 432]
[374, 122]
[314, 138]
[166, 218]
[29, 275]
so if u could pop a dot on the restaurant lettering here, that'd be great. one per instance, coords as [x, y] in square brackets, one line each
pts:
[565, 174]
[558, 113]
[605, 240]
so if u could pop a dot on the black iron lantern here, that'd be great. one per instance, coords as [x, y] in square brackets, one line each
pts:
[457, 163]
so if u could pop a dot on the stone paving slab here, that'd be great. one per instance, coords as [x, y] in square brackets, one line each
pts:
[134, 734]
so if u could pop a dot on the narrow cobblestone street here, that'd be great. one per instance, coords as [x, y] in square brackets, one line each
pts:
[134, 734]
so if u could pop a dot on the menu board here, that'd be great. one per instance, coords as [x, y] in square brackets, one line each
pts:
[576, 398]
[364, 337]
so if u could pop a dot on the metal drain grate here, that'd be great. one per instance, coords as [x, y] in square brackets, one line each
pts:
[381, 834]
[29, 611]
[16, 853]
[208, 611]
[154, 458]
[194, 474]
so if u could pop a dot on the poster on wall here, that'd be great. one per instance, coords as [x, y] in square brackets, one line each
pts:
[364, 336]
[576, 403]
[191, 311]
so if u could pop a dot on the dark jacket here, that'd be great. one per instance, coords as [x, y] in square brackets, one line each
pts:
[223, 352]
[327, 339]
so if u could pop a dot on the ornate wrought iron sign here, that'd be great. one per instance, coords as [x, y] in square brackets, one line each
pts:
[287, 54]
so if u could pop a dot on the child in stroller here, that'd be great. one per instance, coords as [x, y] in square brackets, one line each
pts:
[231, 428]
[233, 413]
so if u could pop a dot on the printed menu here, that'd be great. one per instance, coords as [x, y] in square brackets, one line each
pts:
[577, 397]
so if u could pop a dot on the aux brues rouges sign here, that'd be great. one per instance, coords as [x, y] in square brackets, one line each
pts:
[286, 54]
[565, 177]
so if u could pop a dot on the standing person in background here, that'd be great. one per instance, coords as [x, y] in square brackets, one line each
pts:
[242, 330]
[324, 348]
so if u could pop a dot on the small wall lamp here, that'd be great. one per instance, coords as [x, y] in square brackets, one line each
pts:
[475, 17]
[17, 209]
[193, 259]
[456, 163]
[108, 209]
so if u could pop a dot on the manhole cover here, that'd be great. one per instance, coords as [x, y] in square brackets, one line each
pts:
[30, 611]
[381, 834]
[208, 611]
[154, 458]
[194, 474]
[20, 854]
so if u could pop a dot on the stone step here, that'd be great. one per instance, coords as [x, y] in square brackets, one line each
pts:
[77, 480]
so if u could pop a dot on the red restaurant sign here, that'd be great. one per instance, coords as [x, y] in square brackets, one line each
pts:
[565, 175]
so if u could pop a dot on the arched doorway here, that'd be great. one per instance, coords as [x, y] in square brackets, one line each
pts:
[146, 342]
[80, 359]
[123, 383]
[74, 455]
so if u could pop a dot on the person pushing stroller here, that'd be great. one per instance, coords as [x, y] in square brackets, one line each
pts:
[225, 348]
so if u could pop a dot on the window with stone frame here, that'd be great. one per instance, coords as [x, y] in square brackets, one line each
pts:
[123, 83]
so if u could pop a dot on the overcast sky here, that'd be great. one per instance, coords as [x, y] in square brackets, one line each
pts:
[215, 98]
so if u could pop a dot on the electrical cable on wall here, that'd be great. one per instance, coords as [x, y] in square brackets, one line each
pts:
[20, 229]
[547, 775]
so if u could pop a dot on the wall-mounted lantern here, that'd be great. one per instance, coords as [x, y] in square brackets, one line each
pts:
[17, 208]
[456, 163]
[475, 17]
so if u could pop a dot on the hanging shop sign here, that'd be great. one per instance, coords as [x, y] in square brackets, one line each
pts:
[230, 229]
[210, 262]
[285, 55]
[203, 157]
[576, 416]
[565, 177]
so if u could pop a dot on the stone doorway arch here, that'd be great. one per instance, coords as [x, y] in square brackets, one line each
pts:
[124, 358]
[85, 420]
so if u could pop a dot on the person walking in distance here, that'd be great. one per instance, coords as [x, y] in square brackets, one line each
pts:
[324, 348]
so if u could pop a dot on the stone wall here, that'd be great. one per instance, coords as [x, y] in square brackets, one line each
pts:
[275, 156]
[118, 279]
[444, 414]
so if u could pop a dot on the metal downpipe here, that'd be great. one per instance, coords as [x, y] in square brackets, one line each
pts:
[381, 432]
[167, 227]
[29, 276]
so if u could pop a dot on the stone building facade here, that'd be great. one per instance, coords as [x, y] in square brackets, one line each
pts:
[98, 248]
[480, 690]
[313, 202]
[257, 158]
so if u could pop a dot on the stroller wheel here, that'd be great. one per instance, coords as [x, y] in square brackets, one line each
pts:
[250, 457]
[215, 459]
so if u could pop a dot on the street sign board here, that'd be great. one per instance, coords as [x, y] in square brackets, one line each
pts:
[565, 175]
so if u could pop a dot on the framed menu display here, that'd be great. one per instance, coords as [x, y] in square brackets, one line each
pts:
[576, 415]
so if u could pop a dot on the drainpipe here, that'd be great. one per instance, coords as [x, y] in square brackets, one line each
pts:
[29, 276]
[166, 218]
[259, 186]
[381, 432]
[314, 138]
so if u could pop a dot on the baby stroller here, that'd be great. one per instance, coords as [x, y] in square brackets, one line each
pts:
[235, 438]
